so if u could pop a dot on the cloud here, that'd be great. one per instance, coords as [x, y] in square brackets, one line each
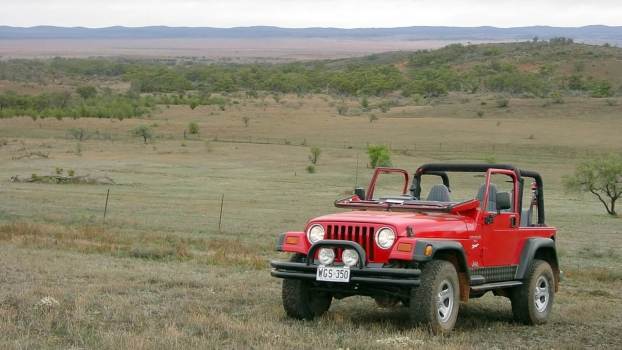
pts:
[307, 13]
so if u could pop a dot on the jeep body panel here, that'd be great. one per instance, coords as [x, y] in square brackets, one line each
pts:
[491, 247]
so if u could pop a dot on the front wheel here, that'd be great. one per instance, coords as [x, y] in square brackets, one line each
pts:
[532, 301]
[299, 301]
[435, 302]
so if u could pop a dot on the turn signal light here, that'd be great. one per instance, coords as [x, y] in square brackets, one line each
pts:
[428, 250]
[404, 247]
[291, 240]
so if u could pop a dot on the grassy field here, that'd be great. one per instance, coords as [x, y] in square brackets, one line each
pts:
[160, 274]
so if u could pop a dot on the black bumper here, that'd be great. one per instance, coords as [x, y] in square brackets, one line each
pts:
[361, 274]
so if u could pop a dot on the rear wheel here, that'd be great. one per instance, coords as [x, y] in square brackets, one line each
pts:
[532, 301]
[300, 302]
[436, 301]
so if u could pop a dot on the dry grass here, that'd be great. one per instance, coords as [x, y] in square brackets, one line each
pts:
[160, 274]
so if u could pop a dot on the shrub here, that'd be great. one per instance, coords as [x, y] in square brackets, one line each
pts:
[193, 128]
[342, 109]
[79, 134]
[315, 155]
[143, 131]
[503, 102]
[557, 98]
[379, 156]
[365, 104]
[311, 169]
[601, 89]
[86, 92]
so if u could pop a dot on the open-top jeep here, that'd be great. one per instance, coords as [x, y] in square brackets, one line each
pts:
[429, 253]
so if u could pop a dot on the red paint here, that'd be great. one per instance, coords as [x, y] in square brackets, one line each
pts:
[497, 243]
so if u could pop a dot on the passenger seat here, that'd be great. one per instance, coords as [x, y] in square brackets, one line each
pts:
[438, 193]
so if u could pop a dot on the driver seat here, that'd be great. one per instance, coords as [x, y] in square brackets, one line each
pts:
[438, 193]
[492, 197]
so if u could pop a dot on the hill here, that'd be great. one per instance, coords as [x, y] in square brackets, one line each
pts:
[594, 33]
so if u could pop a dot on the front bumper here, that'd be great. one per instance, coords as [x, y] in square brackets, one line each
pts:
[361, 274]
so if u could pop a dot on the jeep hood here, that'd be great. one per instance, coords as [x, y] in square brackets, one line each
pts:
[421, 222]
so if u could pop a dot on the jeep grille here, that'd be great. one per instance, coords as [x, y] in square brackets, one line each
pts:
[363, 235]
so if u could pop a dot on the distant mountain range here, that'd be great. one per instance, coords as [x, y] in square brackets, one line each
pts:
[595, 33]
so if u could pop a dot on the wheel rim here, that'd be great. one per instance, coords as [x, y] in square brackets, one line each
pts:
[541, 294]
[445, 301]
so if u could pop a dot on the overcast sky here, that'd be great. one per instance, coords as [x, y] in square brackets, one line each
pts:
[308, 13]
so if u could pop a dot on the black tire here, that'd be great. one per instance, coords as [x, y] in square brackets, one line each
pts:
[437, 276]
[526, 307]
[300, 302]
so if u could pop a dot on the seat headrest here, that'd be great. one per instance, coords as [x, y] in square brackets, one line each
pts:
[439, 193]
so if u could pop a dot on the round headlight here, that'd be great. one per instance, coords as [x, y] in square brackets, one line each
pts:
[350, 257]
[326, 256]
[385, 237]
[315, 233]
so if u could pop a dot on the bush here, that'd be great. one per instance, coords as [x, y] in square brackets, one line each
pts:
[143, 131]
[601, 89]
[379, 156]
[365, 104]
[557, 98]
[315, 155]
[342, 109]
[86, 92]
[193, 128]
[503, 102]
[311, 169]
[79, 134]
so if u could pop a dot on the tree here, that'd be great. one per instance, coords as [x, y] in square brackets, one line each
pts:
[143, 131]
[379, 155]
[193, 128]
[365, 103]
[78, 133]
[601, 176]
[86, 91]
[315, 155]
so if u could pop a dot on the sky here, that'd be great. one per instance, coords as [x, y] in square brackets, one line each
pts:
[310, 13]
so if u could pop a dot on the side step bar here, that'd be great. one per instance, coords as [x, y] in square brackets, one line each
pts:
[495, 285]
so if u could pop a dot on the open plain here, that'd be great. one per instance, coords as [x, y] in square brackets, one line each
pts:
[159, 273]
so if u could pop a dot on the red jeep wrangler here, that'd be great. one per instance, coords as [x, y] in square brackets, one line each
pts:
[429, 253]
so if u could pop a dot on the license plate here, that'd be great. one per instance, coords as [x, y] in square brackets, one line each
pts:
[333, 274]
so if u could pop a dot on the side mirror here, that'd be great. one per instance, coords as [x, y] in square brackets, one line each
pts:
[503, 201]
[360, 192]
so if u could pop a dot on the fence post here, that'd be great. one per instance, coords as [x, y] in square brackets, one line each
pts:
[222, 201]
[106, 206]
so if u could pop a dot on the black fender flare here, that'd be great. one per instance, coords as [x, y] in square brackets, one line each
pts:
[280, 241]
[440, 246]
[532, 246]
